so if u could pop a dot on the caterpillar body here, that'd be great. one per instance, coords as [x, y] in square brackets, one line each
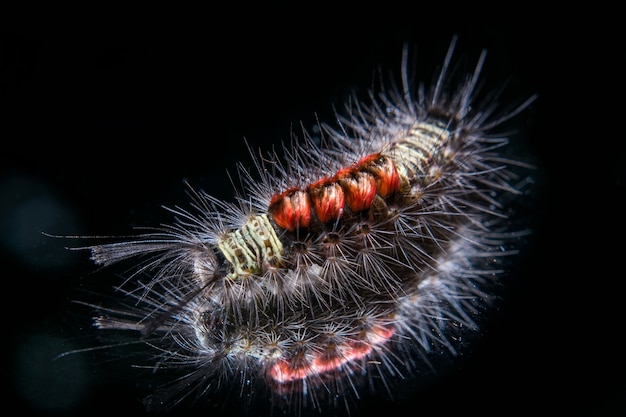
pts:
[340, 265]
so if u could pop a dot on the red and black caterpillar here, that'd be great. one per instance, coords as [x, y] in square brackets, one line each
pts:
[339, 264]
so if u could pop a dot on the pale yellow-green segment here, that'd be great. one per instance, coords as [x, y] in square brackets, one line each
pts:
[413, 151]
[252, 249]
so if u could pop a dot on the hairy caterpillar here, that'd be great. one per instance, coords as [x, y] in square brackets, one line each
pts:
[345, 264]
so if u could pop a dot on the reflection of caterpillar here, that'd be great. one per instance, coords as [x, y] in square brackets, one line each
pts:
[341, 264]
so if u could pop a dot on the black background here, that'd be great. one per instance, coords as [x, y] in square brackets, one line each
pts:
[103, 118]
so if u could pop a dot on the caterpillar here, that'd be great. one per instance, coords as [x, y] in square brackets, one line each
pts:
[355, 259]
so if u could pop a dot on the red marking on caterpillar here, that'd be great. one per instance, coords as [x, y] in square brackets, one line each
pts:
[355, 186]
[319, 281]
[331, 358]
[291, 209]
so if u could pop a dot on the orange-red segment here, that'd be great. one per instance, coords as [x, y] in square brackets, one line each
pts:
[331, 358]
[384, 171]
[291, 209]
[359, 188]
[327, 199]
